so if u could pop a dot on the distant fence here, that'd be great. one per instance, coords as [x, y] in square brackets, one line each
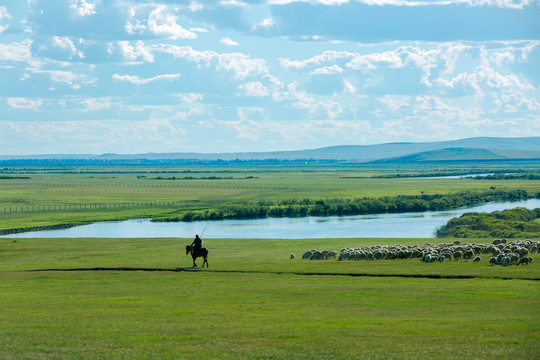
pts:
[73, 207]
[190, 186]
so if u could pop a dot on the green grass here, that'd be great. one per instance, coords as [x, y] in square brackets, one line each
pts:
[255, 303]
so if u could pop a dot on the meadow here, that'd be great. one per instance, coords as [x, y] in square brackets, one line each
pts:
[140, 299]
[97, 298]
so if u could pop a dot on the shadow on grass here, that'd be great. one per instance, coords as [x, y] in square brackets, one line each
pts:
[197, 269]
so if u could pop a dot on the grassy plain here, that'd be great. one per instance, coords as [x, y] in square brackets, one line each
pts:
[255, 303]
[75, 192]
[140, 299]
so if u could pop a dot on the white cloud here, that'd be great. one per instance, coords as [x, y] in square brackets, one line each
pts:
[228, 42]
[232, 3]
[70, 78]
[328, 70]
[513, 4]
[241, 65]
[198, 30]
[254, 88]
[82, 8]
[17, 51]
[94, 104]
[396, 102]
[189, 98]
[24, 103]
[3, 15]
[135, 53]
[66, 43]
[348, 87]
[135, 27]
[135, 79]
[162, 22]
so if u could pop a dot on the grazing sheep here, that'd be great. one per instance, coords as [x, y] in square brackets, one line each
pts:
[330, 255]
[457, 242]
[523, 251]
[457, 255]
[441, 258]
[514, 258]
[505, 261]
[493, 261]
[523, 261]
[292, 256]
[477, 259]
[468, 254]
[426, 258]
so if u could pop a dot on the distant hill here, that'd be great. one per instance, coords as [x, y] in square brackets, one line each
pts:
[462, 154]
[479, 148]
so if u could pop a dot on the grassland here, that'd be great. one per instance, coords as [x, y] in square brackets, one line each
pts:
[255, 303]
[140, 299]
[84, 194]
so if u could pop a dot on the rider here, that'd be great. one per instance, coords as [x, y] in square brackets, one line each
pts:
[196, 245]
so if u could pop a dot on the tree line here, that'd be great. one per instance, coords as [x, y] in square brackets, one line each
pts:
[347, 206]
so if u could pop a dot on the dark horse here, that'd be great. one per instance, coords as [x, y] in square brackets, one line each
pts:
[203, 252]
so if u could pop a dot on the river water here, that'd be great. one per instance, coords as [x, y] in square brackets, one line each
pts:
[402, 225]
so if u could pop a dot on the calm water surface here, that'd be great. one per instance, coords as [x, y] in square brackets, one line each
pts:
[404, 225]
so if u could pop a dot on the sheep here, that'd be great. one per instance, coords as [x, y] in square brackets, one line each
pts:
[523, 261]
[477, 259]
[330, 255]
[457, 255]
[493, 261]
[441, 258]
[514, 258]
[523, 251]
[468, 254]
[505, 261]
[292, 256]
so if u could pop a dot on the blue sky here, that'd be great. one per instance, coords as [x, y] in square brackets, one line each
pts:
[134, 76]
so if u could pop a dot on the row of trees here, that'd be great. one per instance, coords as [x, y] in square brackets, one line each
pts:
[340, 207]
[530, 176]
[512, 223]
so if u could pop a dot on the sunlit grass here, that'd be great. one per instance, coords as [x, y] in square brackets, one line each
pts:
[253, 302]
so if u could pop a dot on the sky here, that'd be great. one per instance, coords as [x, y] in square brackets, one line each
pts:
[137, 76]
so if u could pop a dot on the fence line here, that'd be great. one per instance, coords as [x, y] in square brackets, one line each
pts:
[196, 186]
[65, 207]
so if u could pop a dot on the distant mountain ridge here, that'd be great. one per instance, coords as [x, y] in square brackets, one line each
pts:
[478, 148]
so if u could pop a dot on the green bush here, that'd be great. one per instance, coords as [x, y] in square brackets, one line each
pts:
[512, 223]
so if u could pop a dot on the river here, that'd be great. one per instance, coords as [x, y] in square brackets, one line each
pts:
[402, 225]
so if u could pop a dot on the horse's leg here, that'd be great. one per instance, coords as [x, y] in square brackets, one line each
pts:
[194, 265]
[205, 261]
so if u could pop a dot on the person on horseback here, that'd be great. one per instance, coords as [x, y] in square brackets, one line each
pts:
[196, 245]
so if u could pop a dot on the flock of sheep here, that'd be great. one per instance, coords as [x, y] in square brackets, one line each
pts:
[502, 252]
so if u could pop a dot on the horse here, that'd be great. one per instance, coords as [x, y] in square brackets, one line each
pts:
[203, 252]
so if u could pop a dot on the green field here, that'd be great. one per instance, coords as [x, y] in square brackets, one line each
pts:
[75, 195]
[140, 299]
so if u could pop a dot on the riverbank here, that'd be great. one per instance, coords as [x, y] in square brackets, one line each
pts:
[404, 225]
